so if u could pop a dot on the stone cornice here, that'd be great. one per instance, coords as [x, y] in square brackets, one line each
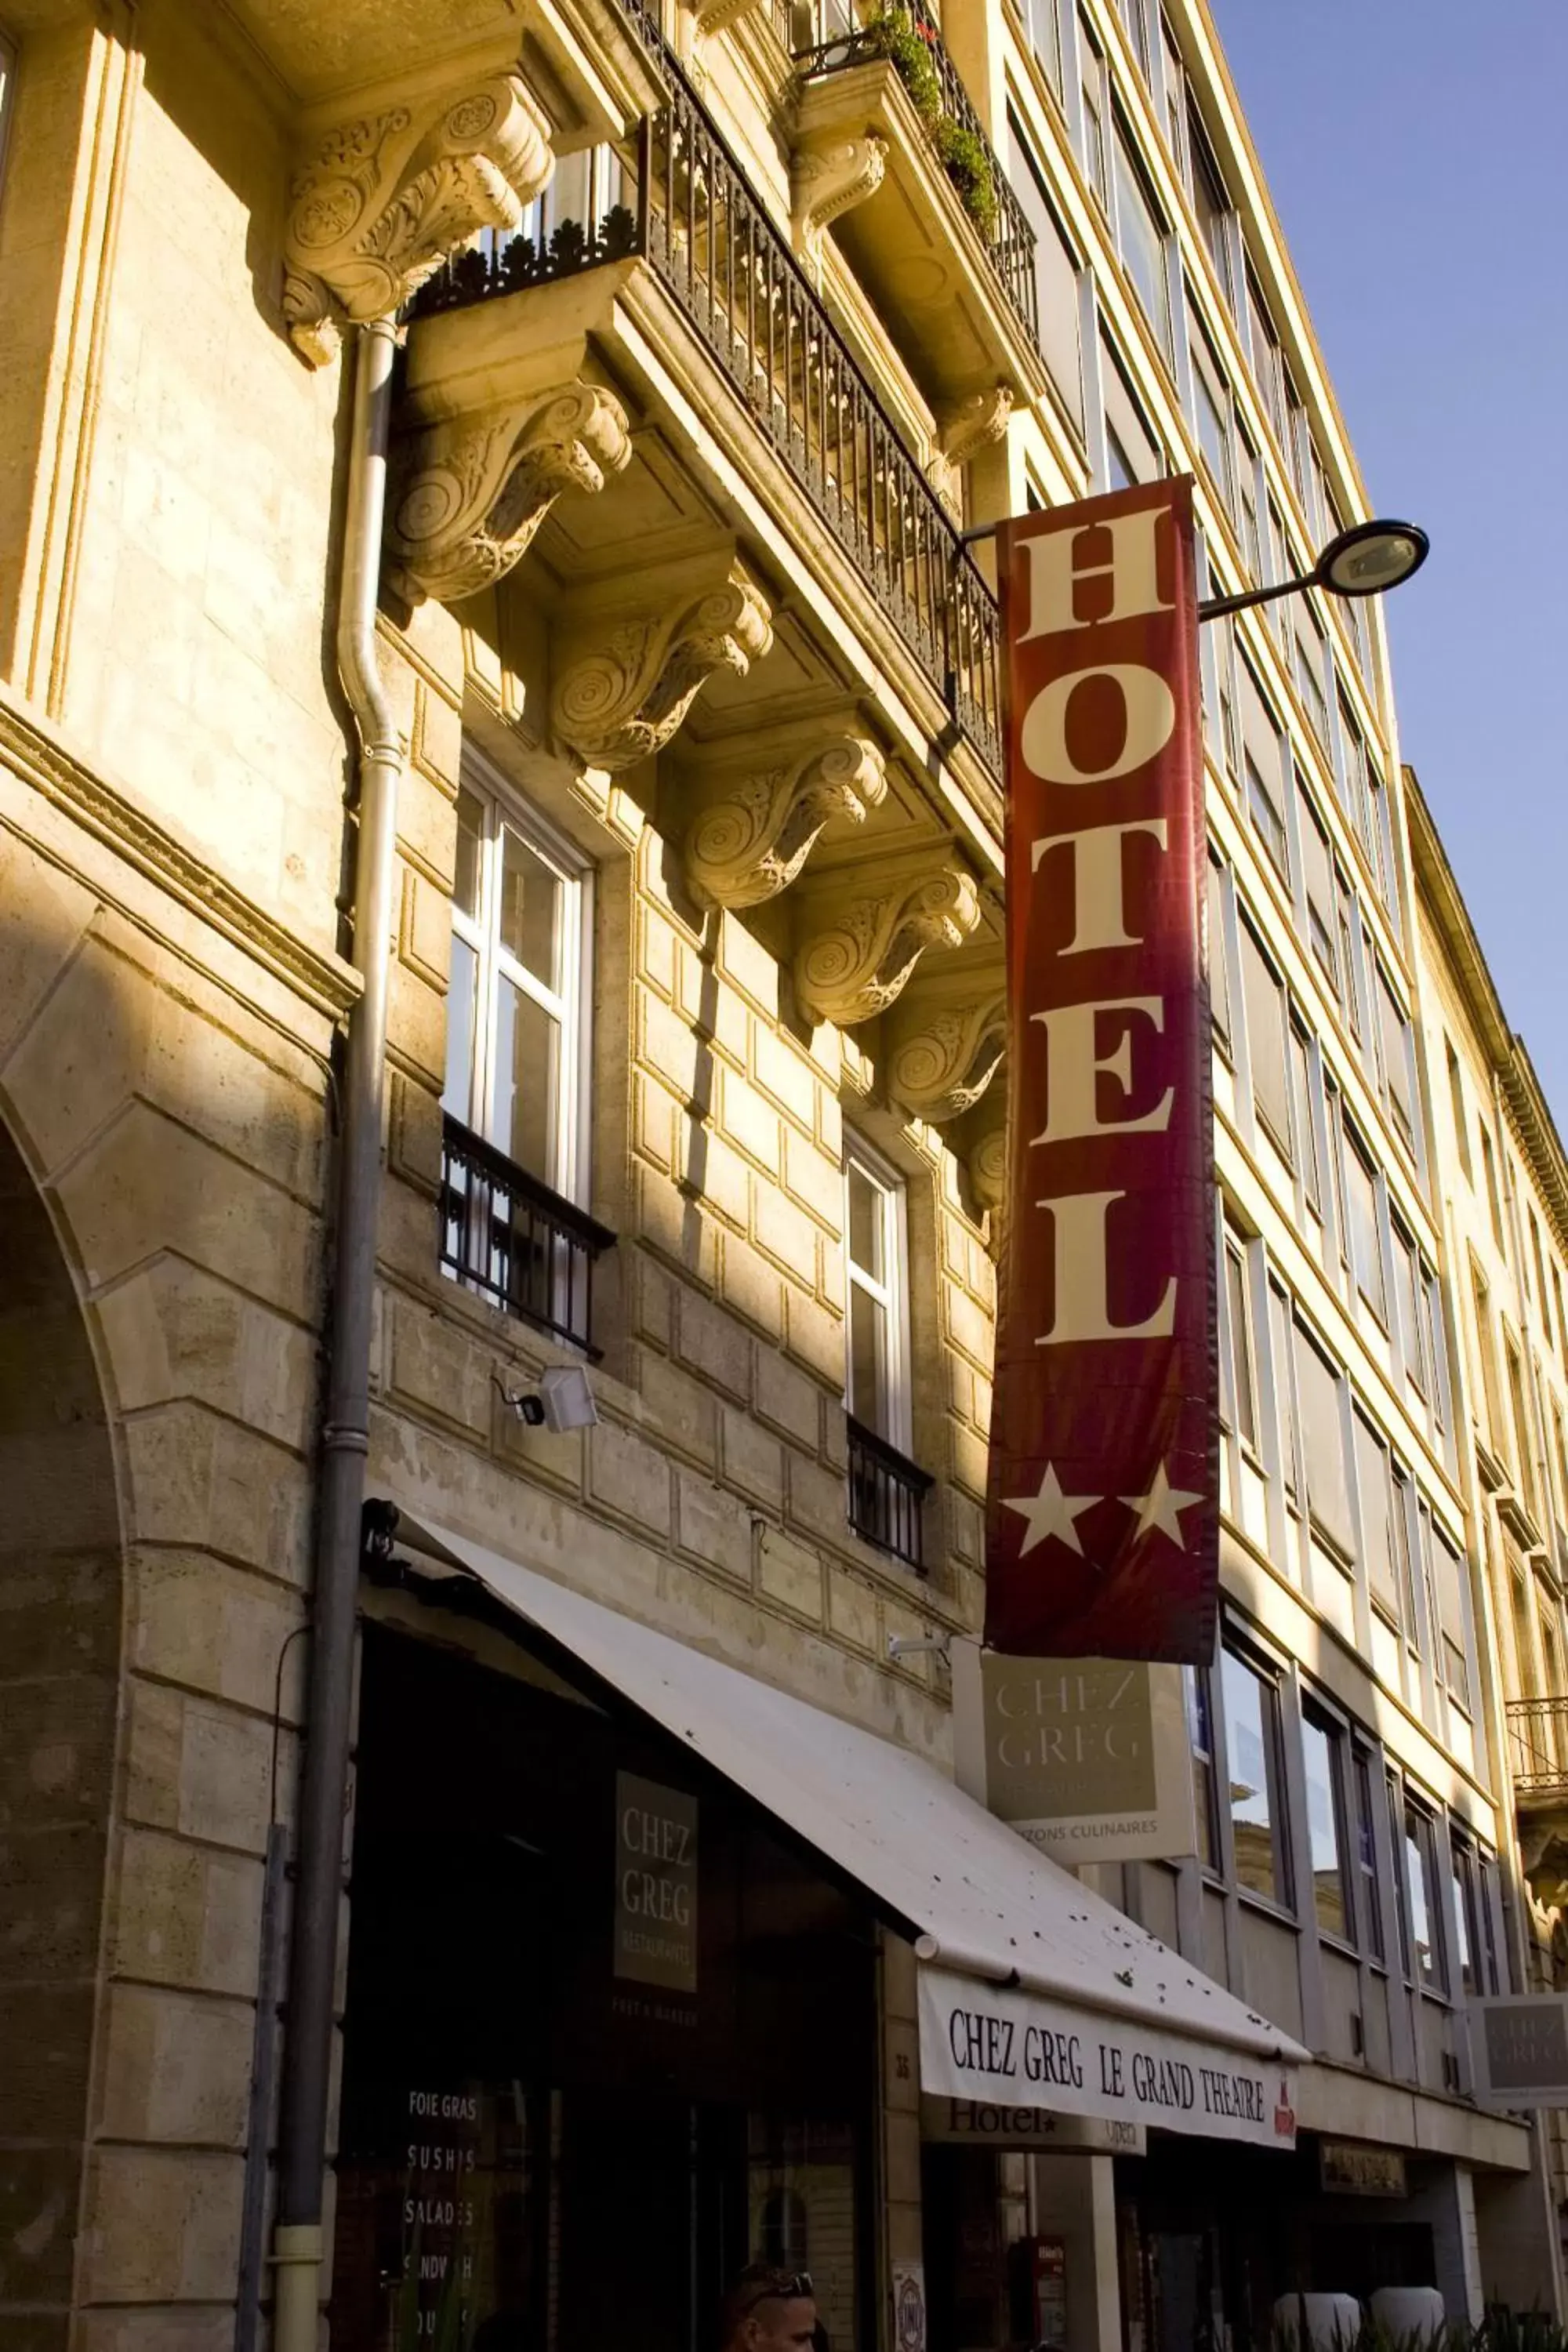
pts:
[40, 758]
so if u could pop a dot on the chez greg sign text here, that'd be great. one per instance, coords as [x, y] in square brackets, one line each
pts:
[1102, 1523]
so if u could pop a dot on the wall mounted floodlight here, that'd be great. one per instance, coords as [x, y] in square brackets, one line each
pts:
[563, 1400]
[1365, 561]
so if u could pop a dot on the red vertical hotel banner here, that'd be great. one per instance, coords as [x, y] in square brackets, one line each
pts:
[1102, 1519]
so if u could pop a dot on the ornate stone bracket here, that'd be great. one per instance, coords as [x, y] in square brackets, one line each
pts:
[626, 697]
[826, 179]
[717, 15]
[469, 493]
[753, 836]
[381, 200]
[855, 964]
[943, 1058]
[970, 425]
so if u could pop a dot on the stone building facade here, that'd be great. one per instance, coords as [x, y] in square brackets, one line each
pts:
[710, 350]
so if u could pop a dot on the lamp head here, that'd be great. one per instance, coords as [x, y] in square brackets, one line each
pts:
[1371, 557]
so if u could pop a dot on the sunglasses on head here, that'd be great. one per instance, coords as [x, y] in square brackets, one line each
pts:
[793, 2289]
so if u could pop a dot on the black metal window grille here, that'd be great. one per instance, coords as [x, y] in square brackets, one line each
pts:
[507, 1235]
[887, 1494]
[686, 209]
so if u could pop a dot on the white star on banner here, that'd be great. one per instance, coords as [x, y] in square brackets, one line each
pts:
[1160, 1508]
[1050, 1513]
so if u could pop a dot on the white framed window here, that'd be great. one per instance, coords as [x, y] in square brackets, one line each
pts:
[875, 1264]
[1141, 240]
[518, 1002]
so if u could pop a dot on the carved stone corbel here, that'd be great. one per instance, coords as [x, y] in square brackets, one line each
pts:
[828, 178]
[468, 492]
[381, 201]
[988, 1163]
[624, 697]
[972, 425]
[854, 964]
[717, 15]
[943, 1058]
[753, 834]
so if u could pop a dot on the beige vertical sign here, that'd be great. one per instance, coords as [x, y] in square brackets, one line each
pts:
[656, 1883]
[1090, 1758]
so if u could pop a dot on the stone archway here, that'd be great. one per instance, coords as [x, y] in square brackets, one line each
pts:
[60, 1616]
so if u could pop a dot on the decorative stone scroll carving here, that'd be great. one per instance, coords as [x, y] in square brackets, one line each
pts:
[753, 836]
[944, 1057]
[624, 699]
[988, 1163]
[468, 492]
[855, 963]
[970, 425]
[827, 179]
[381, 200]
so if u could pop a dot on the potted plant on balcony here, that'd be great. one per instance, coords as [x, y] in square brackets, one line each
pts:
[902, 35]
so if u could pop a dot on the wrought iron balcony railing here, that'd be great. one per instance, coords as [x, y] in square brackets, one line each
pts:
[1537, 1744]
[966, 155]
[887, 1492]
[682, 202]
[510, 1236]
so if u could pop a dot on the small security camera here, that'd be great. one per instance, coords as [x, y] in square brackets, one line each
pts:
[563, 1400]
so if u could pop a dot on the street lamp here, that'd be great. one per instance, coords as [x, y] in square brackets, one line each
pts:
[1361, 561]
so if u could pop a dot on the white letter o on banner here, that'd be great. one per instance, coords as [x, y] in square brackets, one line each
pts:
[1151, 715]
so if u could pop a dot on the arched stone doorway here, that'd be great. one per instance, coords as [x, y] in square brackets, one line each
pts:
[60, 1615]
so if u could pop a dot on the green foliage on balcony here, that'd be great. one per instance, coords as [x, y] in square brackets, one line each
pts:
[902, 36]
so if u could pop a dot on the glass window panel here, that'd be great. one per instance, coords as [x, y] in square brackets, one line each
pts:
[867, 1359]
[1453, 1615]
[1093, 112]
[1366, 1247]
[1323, 1436]
[1046, 38]
[1412, 1316]
[1366, 1859]
[528, 1079]
[1403, 1563]
[1397, 1063]
[1055, 271]
[1142, 244]
[1266, 1030]
[1306, 1126]
[1377, 1517]
[1457, 1106]
[1219, 970]
[1265, 366]
[868, 1221]
[458, 1093]
[1289, 1440]
[1320, 1758]
[1214, 421]
[1309, 658]
[470, 839]
[1462, 1864]
[1419, 1871]
[1135, 452]
[1251, 1707]
[531, 910]
[1200, 1733]
[1318, 860]
[1211, 204]
[1243, 1384]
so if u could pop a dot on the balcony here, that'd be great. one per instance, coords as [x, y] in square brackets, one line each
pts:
[1537, 1760]
[941, 243]
[887, 1492]
[520, 1246]
[679, 208]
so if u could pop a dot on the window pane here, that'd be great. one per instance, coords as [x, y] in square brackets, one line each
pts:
[470, 834]
[1367, 1857]
[1264, 1000]
[1249, 1723]
[1306, 1130]
[1321, 1756]
[457, 1093]
[1366, 1250]
[1423, 1899]
[867, 1359]
[1240, 1349]
[1395, 1040]
[1377, 1519]
[528, 1079]
[1463, 1869]
[1322, 1431]
[1201, 1734]
[868, 1218]
[1219, 970]
[1055, 271]
[531, 910]
[1143, 245]
[1411, 1319]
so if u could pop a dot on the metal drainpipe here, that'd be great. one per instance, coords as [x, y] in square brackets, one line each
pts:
[297, 2246]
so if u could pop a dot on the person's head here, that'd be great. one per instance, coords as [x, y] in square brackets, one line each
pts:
[769, 2310]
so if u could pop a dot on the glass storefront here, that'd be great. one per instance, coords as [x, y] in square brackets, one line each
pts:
[607, 2038]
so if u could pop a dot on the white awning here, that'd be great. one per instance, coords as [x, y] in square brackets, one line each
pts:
[1034, 1991]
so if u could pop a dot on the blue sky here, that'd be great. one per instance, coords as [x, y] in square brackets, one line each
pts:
[1416, 154]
